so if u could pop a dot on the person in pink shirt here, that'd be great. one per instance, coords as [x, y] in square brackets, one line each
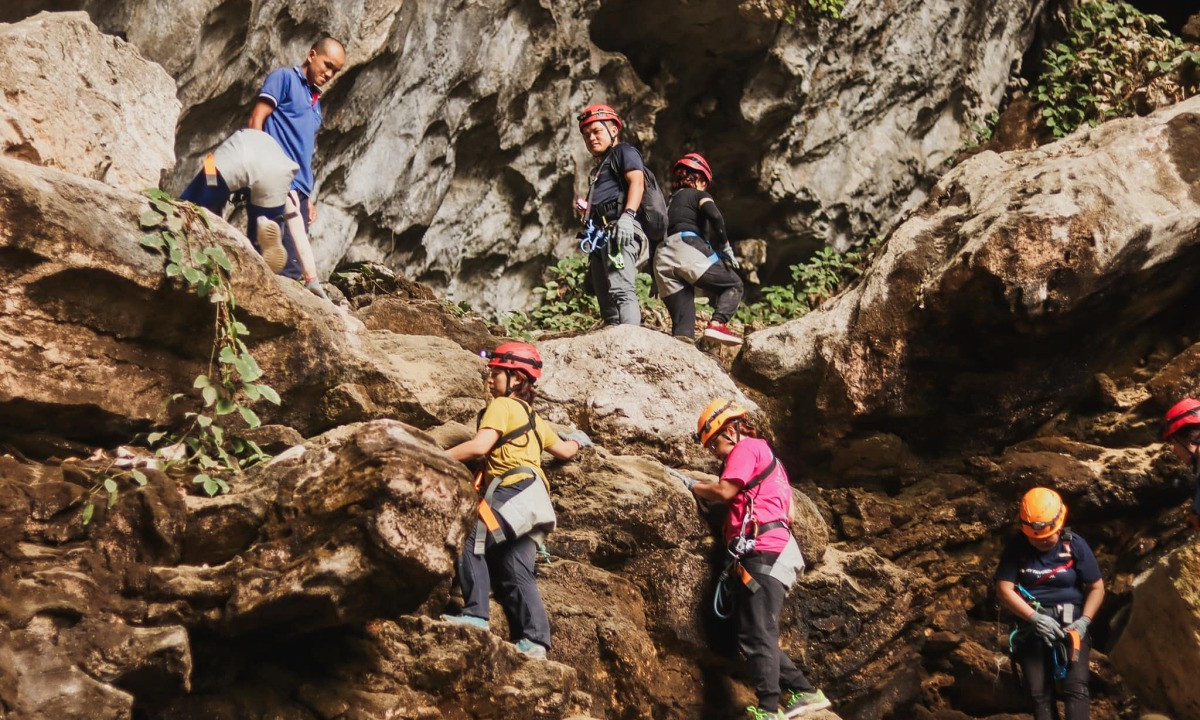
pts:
[765, 556]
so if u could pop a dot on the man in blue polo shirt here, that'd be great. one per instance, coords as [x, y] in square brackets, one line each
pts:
[289, 110]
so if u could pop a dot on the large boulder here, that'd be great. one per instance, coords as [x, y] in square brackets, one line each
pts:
[1160, 645]
[978, 316]
[97, 337]
[85, 102]
[638, 389]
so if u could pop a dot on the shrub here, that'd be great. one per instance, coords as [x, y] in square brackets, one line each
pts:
[1111, 52]
[813, 282]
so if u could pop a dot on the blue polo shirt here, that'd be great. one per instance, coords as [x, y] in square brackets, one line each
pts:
[295, 120]
[1055, 577]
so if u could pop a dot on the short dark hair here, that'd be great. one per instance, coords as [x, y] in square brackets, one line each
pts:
[1189, 434]
[326, 43]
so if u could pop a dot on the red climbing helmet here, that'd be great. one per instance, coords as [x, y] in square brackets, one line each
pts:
[1183, 413]
[695, 161]
[598, 113]
[515, 356]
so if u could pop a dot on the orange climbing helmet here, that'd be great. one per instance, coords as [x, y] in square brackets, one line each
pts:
[1043, 513]
[715, 416]
[598, 113]
[515, 356]
[1182, 414]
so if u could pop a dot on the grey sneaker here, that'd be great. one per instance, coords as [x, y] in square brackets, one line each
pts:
[469, 620]
[270, 239]
[532, 649]
[802, 703]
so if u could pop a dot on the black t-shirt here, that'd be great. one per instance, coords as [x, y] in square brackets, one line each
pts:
[1022, 564]
[686, 214]
[607, 189]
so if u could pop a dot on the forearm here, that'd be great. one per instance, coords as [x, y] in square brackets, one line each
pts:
[1091, 604]
[564, 449]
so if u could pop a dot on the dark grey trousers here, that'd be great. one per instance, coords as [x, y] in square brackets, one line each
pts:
[719, 280]
[1037, 667]
[768, 667]
[508, 568]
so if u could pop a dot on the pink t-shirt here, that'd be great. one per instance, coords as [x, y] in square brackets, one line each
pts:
[772, 497]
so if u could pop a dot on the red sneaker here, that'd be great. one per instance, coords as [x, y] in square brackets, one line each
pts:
[719, 332]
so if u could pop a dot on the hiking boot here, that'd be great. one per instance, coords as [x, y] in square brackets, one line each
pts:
[719, 332]
[531, 649]
[270, 239]
[759, 714]
[469, 620]
[802, 703]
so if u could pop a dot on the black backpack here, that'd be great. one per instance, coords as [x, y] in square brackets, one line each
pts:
[653, 213]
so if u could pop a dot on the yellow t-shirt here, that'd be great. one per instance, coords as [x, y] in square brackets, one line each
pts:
[503, 415]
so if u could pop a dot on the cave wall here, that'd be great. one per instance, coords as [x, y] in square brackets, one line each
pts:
[450, 152]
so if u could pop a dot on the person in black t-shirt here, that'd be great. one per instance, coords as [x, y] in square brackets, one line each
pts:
[1048, 577]
[696, 254]
[614, 198]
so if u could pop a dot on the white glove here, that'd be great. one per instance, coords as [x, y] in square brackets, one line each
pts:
[625, 232]
[580, 438]
[727, 253]
[687, 481]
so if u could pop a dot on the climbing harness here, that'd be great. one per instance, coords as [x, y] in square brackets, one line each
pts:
[743, 545]
[1066, 651]
[528, 509]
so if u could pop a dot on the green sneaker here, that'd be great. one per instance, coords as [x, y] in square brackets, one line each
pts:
[758, 714]
[802, 703]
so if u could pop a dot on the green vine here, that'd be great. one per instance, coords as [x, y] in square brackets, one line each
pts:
[205, 446]
[1112, 52]
[815, 9]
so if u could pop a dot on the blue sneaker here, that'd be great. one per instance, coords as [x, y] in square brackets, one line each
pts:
[531, 649]
[803, 703]
[469, 620]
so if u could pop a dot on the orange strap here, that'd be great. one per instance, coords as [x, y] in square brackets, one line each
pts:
[488, 517]
[210, 169]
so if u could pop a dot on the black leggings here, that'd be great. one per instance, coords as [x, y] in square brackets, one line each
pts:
[1037, 667]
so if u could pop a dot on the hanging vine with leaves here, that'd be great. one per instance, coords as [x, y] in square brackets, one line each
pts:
[205, 446]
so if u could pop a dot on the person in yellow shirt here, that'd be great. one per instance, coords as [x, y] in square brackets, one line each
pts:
[515, 512]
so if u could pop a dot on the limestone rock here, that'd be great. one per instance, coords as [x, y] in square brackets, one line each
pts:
[1159, 645]
[976, 301]
[640, 390]
[85, 102]
[95, 337]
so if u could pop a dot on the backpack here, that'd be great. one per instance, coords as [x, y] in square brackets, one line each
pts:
[653, 212]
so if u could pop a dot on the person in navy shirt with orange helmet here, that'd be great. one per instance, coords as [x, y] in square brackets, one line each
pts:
[1049, 578]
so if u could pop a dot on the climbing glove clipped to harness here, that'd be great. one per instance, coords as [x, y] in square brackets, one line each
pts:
[726, 253]
[687, 481]
[314, 287]
[580, 437]
[625, 232]
[1047, 628]
[1080, 626]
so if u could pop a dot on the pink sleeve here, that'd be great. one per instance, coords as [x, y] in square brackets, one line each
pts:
[739, 466]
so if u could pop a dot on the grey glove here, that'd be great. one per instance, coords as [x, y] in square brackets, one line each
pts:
[727, 253]
[314, 287]
[580, 437]
[625, 232]
[1047, 628]
[1080, 626]
[687, 481]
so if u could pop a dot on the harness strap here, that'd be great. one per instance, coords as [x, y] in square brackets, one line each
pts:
[773, 525]
[1065, 566]
[210, 170]
[766, 473]
[512, 435]
[489, 524]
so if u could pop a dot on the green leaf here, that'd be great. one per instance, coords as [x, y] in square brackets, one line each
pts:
[203, 215]
[227, 355]
[138, 477]
[220, 258]
[249, 416]
[110, 485]
[154, 242]
[225, 406]
[269, 394]
[88, 511]
[203, 421]
[240, 329]
[172, 270]
[192, 275]
[150, 219]
[155, 437]
[201, 381]
[210, 396]
[251, 391]
[174, 223]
